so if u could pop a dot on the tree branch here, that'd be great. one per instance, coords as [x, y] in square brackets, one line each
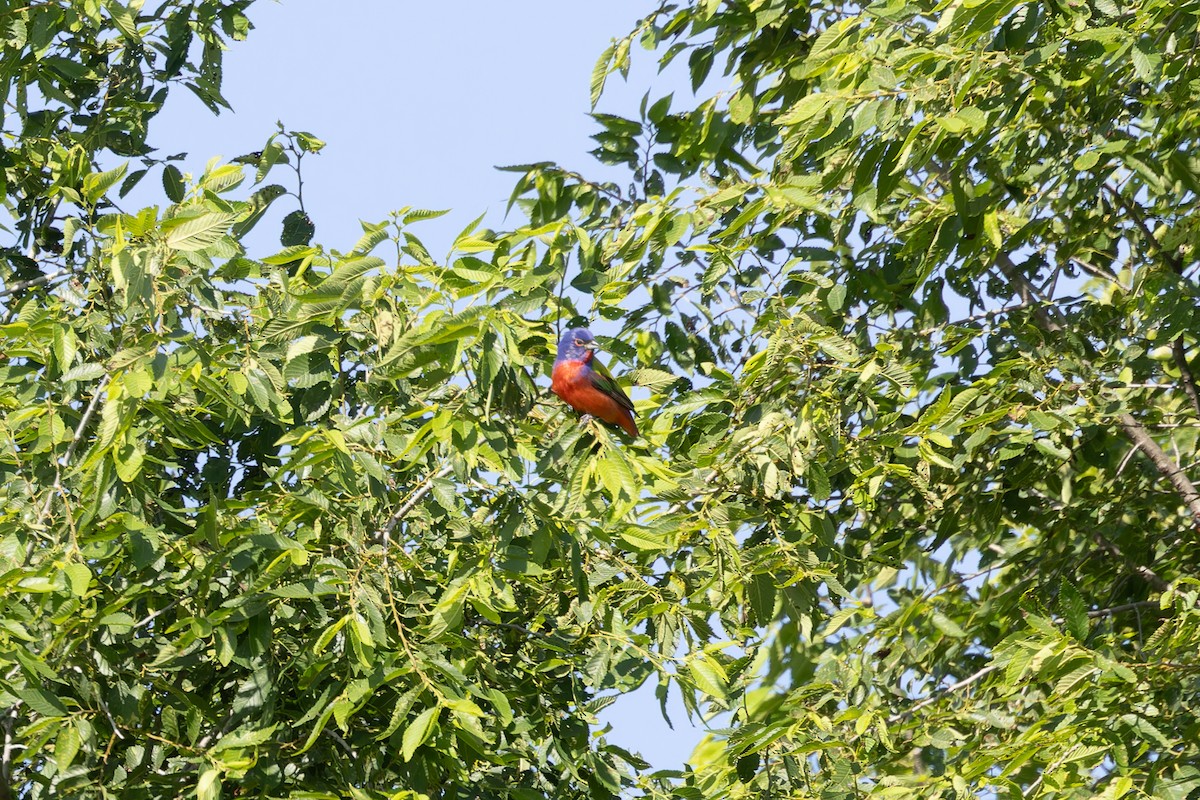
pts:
[16, 287]
[1135, 214]
[1145, 573]
[422, 490]
[75, 439]
[10, 745]
[1029, 294]
[940, 693]
[1185, 374]
[1166, 467]
[1136, 606]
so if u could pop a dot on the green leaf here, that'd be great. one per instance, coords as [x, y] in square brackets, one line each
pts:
[97, 184]
[418, 732]
[400, 711]
[42, 702]
[84, 373]
[172, 180]
[654, 379]
[196, 233]
[123, 19]
[448, 613]
[208, 787]
[307, 142]
[947, 625]
[836, 298]
[741, 108]
[709, 677]
[223, 178]
[79, 577]
[327, 635]
[66, 746]
[298, 229]
[641, 539]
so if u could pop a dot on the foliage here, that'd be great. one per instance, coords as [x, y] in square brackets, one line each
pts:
[909, 310]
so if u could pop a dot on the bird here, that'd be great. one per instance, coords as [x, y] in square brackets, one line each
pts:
[582, 382]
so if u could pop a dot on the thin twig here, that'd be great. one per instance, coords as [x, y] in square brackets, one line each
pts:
[16, 287]
[940, 693]
[10, 746]
[422, 490]
[76, 438]
[1166, 467]
[519, 629]
[1048, 316]
[1185, 374]
[1108, 612]
[332, 734]
[115, 727]
[150, 617]
[1135, 214]
[1145, 573]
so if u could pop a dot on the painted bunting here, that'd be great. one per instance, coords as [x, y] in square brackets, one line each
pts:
[586, 386]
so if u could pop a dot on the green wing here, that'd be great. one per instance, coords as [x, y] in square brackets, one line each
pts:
[603, 380]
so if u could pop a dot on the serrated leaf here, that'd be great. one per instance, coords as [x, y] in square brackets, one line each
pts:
[641, 539]
[66, 746]
[836, 298]
[654, 379]
[947, 625]
[298, 229]
[223, 178]
[209, 785]
[199, 232]
[123, 19]
[97, 184]
[418, 732]
[448, 613]
[79, 577]
[818, 481]
[172, 180]
[327, 635]
[600, 73]
[84, 372]
[709, 677]
[839, 349]
[42, 702]
[243, 738]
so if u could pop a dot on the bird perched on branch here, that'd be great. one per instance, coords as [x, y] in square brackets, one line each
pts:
[586, 386]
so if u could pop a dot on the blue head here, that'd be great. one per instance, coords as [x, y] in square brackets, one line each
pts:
[576, 344]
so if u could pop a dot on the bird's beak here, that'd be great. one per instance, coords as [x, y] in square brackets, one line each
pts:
[591, 346]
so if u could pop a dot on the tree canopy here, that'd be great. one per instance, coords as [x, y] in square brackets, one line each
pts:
[907, 303]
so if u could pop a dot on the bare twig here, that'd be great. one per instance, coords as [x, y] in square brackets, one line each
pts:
[10, 746]
[1137, 606]
[422, 490]
[112, 720]
[519, 629]
[1166, 467]
[1145, 573]
[16, 287]
[77, 437]
[940, 693]
[1185, 374]
[150, 617]
[332, 734]
[1048, 316]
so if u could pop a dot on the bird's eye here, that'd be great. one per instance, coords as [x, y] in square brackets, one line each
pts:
[579, 342]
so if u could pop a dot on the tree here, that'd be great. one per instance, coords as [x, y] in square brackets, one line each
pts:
[911, 307]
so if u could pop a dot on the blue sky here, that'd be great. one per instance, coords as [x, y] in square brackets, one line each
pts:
[419, 102]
